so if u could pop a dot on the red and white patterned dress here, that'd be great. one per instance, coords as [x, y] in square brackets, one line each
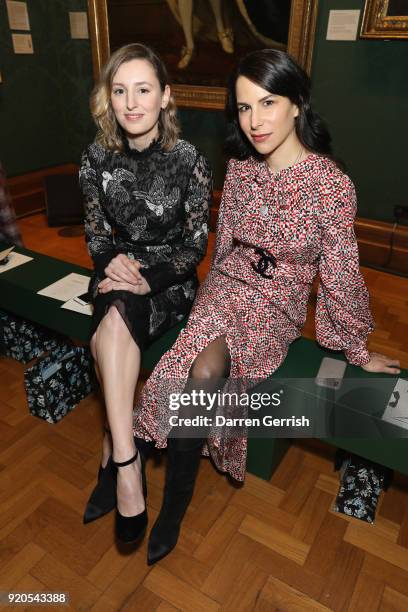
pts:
[304, 216]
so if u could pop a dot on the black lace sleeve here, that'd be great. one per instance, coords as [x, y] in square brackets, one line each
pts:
[187, 255]
[98, 232]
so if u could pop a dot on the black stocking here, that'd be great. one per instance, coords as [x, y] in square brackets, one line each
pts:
[207, 375]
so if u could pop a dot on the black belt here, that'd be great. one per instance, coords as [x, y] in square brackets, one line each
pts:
[265, 259]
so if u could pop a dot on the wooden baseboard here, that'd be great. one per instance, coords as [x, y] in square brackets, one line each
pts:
[381, 244]
[27, 191]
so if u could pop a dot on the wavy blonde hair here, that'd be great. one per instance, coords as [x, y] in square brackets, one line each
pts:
[109, 131]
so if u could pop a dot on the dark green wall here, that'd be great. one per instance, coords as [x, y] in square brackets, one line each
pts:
[206, 129]
[361, 89]
[44, 117]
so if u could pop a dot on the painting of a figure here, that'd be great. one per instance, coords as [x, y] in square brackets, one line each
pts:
[200, 40]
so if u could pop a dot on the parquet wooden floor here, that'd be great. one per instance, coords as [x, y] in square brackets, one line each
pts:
[266, 546]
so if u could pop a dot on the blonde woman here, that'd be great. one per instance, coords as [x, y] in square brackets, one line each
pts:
[147, 196]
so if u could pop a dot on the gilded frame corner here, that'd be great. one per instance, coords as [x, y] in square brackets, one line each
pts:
[378, 24]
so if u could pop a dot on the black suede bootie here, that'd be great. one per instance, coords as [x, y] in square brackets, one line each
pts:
[131, 528]
[103, 497]
[183, 460]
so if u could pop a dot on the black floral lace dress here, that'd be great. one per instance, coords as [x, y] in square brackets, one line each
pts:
[151, 205]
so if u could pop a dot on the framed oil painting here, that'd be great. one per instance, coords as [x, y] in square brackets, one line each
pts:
[201, 40]
[385, 19]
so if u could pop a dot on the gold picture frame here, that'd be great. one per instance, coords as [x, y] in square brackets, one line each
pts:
[302, 28]
[380, 21]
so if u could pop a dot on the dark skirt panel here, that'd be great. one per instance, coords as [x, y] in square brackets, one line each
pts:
[147, 316]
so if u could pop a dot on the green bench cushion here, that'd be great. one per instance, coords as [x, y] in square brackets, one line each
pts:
[18, 294]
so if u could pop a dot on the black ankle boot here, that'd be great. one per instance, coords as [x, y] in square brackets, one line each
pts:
[130, 528]
[103, 497]
[182, 468]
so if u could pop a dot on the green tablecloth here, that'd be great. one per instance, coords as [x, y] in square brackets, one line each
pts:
[18, 294]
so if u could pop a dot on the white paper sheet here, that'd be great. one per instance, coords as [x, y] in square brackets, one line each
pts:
[6, 252]
[72, 305]
[66, 288]
[396, 411]
[15, 260]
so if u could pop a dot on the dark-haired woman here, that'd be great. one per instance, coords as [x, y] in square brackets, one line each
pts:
[286, 214]
[147, 196]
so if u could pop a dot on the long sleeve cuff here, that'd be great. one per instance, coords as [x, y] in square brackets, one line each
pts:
[102, 260]
[358, 355]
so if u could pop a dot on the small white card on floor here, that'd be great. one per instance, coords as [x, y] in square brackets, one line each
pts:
[67, 288]
[396, 411]
[86, 309]
[15, 260]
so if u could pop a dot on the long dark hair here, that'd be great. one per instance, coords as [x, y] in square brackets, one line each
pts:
[276, 72]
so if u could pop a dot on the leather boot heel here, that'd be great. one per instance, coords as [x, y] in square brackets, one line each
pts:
[145, 449]
[131, 528]
[103, 497]
[182, 468]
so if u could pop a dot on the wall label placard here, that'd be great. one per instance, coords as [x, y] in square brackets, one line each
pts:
[78, 21]
[18, 15]
[22, 43]
[343, 25]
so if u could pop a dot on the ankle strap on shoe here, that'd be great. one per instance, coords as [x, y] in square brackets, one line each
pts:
[128, 462]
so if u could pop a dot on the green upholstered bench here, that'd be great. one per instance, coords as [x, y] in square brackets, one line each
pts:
[18, 295]
[358, 421]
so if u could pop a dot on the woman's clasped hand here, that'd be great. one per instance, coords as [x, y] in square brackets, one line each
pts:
[124, 274]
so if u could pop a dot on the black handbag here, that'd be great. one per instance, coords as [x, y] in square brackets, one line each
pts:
[55, 384]
[23, 340]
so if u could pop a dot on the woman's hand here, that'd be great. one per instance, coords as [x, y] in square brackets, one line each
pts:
[141, 288]
[121, 268]
[382, 363]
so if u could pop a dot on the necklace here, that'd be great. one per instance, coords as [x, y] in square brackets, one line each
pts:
[264, 208]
